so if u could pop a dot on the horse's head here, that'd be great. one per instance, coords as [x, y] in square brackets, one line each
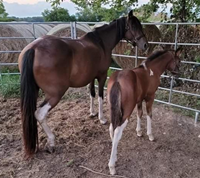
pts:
[174, 63]
[134, 32]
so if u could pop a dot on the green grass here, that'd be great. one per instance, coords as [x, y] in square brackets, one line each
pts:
[9, 83]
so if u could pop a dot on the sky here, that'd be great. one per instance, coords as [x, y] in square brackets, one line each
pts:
[30, 8]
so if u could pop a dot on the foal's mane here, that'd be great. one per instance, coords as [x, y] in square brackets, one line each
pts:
[156, 54]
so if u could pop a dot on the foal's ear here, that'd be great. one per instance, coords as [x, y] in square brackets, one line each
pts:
[130, 14]
[178, 52]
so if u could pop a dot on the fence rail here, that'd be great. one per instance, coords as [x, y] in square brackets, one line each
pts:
[135, 57]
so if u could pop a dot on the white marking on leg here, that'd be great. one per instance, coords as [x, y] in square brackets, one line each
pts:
[101, 117]
[92, 106]
[138, 128]
[111, 131]
[113, 157]
[149, 131]
[40, 115]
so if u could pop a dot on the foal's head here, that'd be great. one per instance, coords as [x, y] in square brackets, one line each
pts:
[134, 32]
[173, 65]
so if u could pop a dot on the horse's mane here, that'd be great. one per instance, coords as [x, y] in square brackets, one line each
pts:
[156, 54]
[120, 25]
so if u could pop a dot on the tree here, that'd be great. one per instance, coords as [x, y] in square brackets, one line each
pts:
[3, 13]
[183, 10]
[56, 14]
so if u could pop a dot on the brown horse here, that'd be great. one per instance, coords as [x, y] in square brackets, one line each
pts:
[128, 88]
[54, 64]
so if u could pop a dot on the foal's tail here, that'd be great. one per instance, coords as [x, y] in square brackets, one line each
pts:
[115, 105]
[29, 93]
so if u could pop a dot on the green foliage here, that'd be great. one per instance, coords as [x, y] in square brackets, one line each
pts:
[183, 10]
[87, 15]
[3, 13]
[29, 19]
[9, 83]
[56, 14]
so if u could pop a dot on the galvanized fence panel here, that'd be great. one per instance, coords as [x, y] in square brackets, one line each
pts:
[135, 57]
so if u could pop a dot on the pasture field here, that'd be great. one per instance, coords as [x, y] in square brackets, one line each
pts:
[82, 141]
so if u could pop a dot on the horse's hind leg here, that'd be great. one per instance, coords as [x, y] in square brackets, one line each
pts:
[41, 114]
[101, 81]
[92, 96]
[139, 116]
[117, 136]
[149, 104]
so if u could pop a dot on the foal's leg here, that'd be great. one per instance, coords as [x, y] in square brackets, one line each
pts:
[101, 81]
[139, 116]
[117, 136]
[92, 96]
[149, 104]
[41, 114]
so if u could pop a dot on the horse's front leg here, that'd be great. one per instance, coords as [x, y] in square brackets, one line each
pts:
[101, 81]
[149, 104]
[92, 96]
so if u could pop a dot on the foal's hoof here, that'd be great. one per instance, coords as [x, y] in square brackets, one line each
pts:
[112, 170]
[50, 149]
[93, 115]
[103, 121]
[139, 133]
[151, 137]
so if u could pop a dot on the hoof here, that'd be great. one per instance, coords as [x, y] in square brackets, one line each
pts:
[151, 138]
[112, 170]
[93, 115]
[103, 121]
[139, 133]
[50, 149]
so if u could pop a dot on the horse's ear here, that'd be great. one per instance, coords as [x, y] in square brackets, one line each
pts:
[178, 52]
[130, 14]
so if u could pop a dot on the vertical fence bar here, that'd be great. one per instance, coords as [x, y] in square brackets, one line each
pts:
[33, 25]
[136, 56]
[176, 37]
[196, 118]
[171, 86]
[75, 33]
[72, 30]
[172, 78]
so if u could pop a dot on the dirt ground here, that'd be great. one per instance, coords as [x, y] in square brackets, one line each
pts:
[82, 141]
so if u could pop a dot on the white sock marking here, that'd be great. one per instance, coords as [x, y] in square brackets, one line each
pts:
[117, 136]
[138, 128]
[92, 106]
[148, 125]
[40, 115]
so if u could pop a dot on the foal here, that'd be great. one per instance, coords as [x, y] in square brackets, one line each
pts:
[128, 88]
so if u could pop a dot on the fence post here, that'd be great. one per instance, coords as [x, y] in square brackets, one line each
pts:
[136, 56]
[171, 90]
[176, 37]
[33, 30]
[196, 118]
[74, 26]
[72, 30]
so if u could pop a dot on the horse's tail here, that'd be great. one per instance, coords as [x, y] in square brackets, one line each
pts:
[29, 93]
[115, 105]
